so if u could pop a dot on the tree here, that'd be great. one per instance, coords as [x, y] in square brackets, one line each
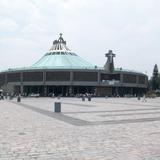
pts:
[158, 81]
[155, 78]
[155, 71]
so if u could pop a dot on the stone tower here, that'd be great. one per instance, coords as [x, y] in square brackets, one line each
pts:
[109, 66]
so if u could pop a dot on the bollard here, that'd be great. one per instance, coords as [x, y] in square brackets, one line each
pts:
[139, 98]
[83, 98]
[89, 98]
[18, 99]
[57, 107]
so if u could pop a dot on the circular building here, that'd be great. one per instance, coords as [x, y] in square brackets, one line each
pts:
[62, 72]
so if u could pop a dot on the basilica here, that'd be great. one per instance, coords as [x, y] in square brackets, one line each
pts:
[62, 72]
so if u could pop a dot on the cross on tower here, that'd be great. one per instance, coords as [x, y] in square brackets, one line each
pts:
[109, 66]
[110, 55]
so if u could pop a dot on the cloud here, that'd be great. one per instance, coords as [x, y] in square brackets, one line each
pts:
[33, 28]
[8, 24]
[17, 52]
[91, 28]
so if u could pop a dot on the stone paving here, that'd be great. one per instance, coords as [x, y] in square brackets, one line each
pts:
[103, 129]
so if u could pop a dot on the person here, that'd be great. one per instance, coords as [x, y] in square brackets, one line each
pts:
[6, 96]
[144, 98]
[1, 96]
[19, 97]
[52, 95]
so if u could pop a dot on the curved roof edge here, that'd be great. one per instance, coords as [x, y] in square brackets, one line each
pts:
[62, 68]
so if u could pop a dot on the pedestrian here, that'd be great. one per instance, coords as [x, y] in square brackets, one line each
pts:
[144, 98]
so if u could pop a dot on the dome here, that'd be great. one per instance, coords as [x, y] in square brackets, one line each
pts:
[61, 57]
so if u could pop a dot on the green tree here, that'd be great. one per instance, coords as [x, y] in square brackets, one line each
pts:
[155, 78]
[158, 81]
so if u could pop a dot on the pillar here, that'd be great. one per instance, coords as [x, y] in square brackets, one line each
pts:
[45, 91]
[137, 79]
[99, 76]
[121, 78]
[21, 88]
[70, 90]
[44, 77]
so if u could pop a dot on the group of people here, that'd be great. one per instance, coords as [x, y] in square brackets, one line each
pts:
[6, 95]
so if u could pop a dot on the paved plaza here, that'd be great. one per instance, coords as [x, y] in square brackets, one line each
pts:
[101, 129]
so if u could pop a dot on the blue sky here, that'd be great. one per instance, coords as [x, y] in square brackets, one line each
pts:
[131, 28]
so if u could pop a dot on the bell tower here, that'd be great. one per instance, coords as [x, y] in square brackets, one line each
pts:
[109, 66]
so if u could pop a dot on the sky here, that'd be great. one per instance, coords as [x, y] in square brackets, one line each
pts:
[131, 28]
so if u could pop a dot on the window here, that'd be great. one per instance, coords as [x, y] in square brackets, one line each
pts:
[32, 76]
[58, 76]
[129, 78]
[85, 76]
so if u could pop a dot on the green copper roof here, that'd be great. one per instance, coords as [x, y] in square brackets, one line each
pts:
[63, 60]
[60, 56]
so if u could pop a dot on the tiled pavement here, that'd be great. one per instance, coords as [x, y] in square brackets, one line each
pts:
[103, 129]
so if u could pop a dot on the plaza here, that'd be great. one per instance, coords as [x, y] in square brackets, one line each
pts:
[100, 129]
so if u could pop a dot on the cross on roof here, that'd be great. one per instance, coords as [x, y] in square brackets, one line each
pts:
[110, 56]
[61, 39]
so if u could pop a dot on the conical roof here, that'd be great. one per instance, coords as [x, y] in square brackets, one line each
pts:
[60, 56]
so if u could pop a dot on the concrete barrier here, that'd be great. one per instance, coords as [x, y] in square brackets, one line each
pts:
[89, 98]
[57, 107]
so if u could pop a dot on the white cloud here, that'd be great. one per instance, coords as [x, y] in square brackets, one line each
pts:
[8, 24]
[91, 27]
[18, 52]
[33, 28]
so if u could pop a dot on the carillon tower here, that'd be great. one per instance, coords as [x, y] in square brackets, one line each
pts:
[109, 66]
